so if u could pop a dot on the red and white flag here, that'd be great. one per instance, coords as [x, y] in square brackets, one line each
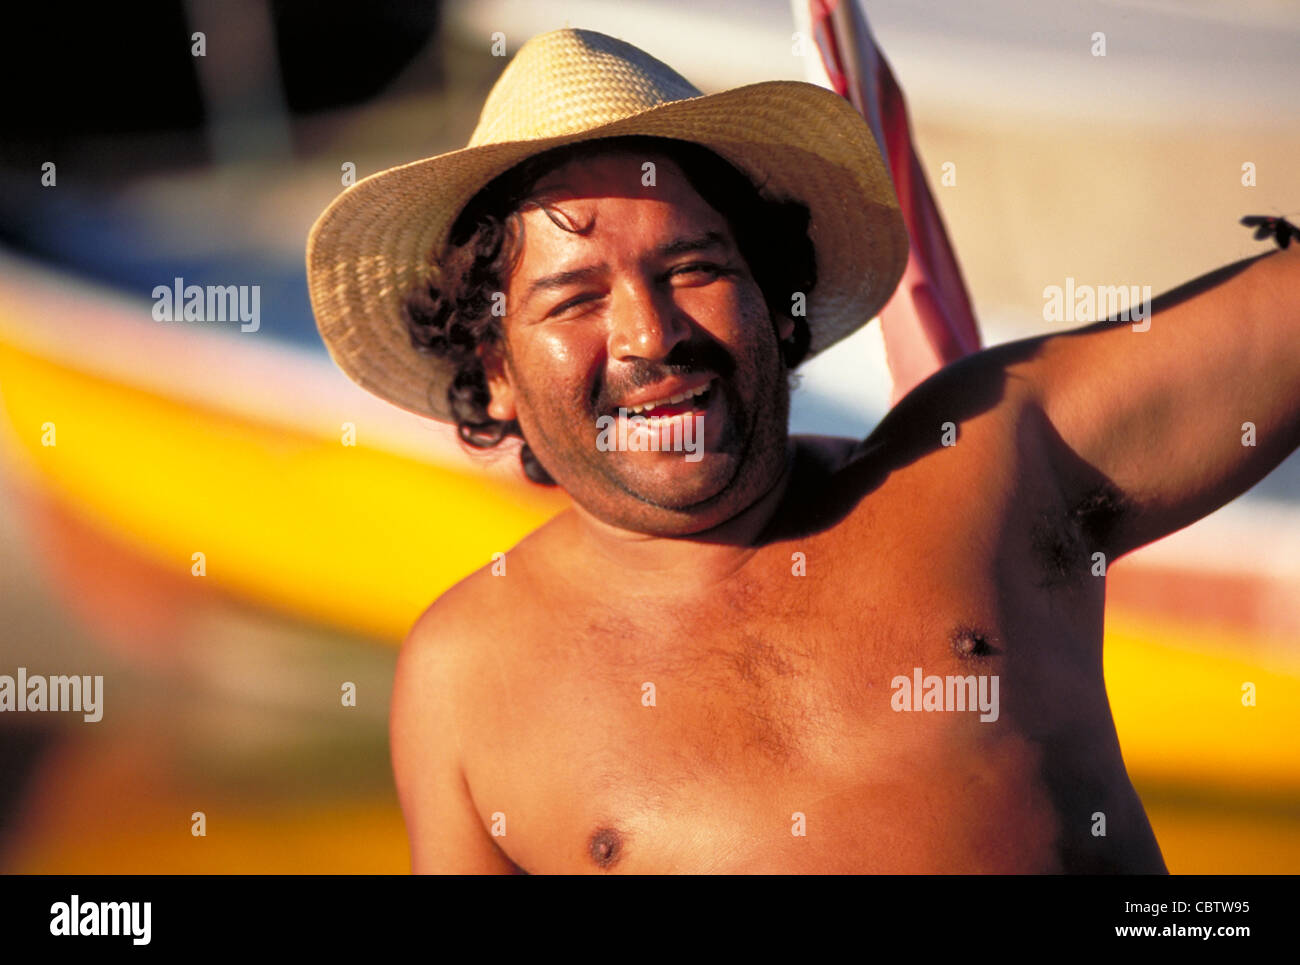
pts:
[928, 322]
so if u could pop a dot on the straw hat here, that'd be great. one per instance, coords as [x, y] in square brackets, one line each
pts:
[376, 241]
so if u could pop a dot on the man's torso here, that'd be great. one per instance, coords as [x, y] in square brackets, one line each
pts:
[752, 725]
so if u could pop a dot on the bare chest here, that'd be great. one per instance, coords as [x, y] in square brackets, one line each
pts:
[935, 706]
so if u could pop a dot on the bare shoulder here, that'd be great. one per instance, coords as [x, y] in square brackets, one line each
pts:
[990, 394]
[437, 691]
[477, 616]
[438, 666]
[444, 633]
[828, 454]
[434, 669]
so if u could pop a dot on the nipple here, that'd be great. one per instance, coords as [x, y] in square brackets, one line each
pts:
[606, 847]
[969, 642]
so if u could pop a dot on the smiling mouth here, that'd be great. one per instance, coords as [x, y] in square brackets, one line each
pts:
[692, 400]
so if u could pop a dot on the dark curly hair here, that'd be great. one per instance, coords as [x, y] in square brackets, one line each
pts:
[449, 314]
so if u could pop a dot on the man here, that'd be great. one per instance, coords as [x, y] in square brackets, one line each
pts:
[787, 654]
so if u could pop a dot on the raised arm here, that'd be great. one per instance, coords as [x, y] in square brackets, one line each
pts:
[1187, 415]
[445, 833]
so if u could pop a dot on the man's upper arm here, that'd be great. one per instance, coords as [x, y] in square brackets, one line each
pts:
[444, 829]
[1167, 415]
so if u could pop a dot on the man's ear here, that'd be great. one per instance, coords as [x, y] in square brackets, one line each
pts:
[502, 404]
[784, 326]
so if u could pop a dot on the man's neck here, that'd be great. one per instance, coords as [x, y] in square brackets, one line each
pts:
[706, 557]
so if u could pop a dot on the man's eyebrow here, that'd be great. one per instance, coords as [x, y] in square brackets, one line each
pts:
[563, 278]
[679, 246]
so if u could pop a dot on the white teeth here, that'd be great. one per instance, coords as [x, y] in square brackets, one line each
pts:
[681, 397]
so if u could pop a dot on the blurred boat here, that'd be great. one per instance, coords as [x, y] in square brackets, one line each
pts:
[174, 440]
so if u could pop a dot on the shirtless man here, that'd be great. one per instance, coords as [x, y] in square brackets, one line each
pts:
[696, 667]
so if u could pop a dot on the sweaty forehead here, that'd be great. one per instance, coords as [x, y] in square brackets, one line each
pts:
[623, 206]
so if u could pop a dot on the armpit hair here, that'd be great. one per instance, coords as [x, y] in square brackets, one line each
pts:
[1097, 513]
[1065, 544]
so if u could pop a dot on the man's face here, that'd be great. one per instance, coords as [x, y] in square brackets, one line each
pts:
[653, 301]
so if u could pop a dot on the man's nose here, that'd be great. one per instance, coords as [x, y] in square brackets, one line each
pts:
[646, 323]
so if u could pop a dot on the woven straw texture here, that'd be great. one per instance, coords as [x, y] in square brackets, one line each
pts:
[377, 239]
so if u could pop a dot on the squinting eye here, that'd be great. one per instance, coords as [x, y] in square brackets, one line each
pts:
[572, 303]
[697, 268]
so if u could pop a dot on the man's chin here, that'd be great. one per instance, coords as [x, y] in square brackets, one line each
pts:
[670, 482]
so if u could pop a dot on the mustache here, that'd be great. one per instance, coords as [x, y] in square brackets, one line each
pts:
[684, 359]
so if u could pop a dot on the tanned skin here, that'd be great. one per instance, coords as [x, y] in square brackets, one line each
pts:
[522, 695]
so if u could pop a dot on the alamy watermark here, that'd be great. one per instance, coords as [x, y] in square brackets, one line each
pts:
[636, 433]
[75, 917]
[213, 303]
[79, 694]
[1088, 303]
[951, 693]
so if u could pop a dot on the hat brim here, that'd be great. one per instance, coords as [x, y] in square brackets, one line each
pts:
[376, 240]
